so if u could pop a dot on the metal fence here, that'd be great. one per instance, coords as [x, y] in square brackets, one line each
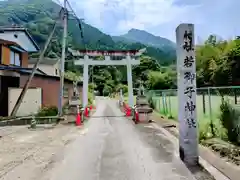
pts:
[208, 104]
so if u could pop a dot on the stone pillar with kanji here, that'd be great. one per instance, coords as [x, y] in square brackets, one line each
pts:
[187, 107]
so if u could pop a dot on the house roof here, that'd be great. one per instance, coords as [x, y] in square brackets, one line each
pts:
[17, 48]
[12, 45]
[6, 42]
[4, 35]
[47, 61]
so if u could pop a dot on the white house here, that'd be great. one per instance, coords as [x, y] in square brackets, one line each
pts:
[47, 65]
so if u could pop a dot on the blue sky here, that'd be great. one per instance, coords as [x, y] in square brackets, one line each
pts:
[161, 17]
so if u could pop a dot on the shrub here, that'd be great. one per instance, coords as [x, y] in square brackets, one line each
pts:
[123, 87]
[204, 131]
[90, 98]
[48, 111]
[230, 120]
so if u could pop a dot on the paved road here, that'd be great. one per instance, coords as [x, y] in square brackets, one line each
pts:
[113, 148]
[107, 148]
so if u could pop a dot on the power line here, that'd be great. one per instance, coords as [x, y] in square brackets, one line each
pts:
[80, 26]
[65, 19]
[59, 3]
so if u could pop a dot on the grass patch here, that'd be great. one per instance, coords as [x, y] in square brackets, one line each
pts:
[205, 114]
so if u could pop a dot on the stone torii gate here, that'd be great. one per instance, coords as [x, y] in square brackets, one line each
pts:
[127, 58]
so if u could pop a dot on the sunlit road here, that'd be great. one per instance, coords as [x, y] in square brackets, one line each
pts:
[113, 148]
[107, 148]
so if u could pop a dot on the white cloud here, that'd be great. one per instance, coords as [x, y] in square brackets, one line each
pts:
[150, 13]
[160, 17]
[129, 13]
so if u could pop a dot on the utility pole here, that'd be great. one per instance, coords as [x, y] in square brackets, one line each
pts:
[62, 67]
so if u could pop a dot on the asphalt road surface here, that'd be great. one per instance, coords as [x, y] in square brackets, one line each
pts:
[108, 147]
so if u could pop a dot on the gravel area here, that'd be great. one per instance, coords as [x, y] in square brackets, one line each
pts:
[27, 154]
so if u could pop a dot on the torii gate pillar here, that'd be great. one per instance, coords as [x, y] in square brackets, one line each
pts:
[85, 82]
[130, 83]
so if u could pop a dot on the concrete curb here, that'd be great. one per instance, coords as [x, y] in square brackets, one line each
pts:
[212, 170]
[228, 169]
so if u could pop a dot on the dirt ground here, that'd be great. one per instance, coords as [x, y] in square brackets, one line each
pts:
[32, 150]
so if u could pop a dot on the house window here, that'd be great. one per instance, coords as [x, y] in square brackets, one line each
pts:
[56, 72]
[15, 58]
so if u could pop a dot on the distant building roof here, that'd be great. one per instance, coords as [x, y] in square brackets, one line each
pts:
[48, 61]
[18, 36]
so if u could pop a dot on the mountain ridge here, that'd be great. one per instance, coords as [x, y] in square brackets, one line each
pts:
[39, 17]
[142, 36]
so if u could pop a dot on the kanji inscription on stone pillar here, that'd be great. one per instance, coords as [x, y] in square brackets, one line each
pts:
[187, 108]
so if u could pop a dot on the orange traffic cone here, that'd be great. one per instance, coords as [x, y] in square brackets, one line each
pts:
[86, 112]
[78, 119]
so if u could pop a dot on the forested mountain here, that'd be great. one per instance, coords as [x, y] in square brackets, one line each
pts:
[217, 60]
[141, 36]
[39, 15]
